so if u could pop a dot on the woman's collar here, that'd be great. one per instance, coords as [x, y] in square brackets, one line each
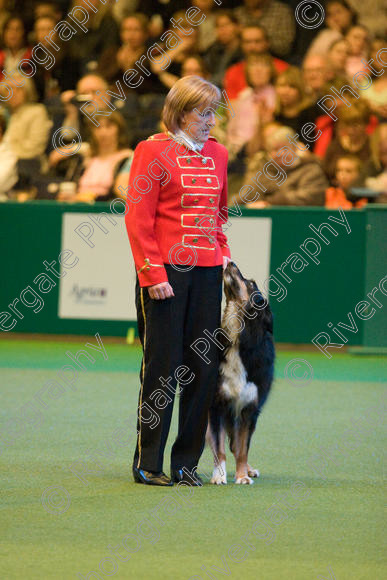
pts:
[180, 135]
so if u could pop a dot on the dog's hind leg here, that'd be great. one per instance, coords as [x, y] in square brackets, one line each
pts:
[240, 450]
[216, 439]
[252, 472]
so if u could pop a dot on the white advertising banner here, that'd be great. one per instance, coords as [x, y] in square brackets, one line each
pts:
[101, 285]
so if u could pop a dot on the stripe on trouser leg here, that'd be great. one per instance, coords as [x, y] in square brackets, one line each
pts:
[142, 377]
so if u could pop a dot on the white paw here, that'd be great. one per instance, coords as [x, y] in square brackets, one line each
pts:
[219, 475]
[253, 472]
[244, 480]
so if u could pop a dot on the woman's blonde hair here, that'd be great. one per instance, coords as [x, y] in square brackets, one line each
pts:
[292, 76]
[187, 94]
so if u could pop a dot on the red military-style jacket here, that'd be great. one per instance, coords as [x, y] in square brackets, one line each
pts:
[176, 205]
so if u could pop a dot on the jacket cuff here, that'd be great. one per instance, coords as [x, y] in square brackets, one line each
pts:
[150, 274]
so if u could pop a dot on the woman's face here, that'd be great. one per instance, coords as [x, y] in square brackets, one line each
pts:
[42, 28]
[106, 134]
[338, 17]
[259, 74]
[338, 55]
[14, 34]
[191, 66]
[132, 33]
[226, 30]
[197, 125]
[347, 172]
[357, 38]
[287, 94]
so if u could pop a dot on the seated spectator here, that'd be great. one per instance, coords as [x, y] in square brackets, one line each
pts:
[134, 36]
[340, 16]
[254, 105]
[14, 46]
[187, 46]
[316, 74]
[48, 8]
[376, 169]
[28, 127]
[376, 94]
[283, 175]
[194, 65]
[90, 87]
[253, 41]
[293, 107]
[102, 33]
[108, 150]
[64, 72]
[226, 50]
[351, 137]
[358, 40]
[347, 170]
[275, 17]
[327, 125]
[338, 54]
[8, 168]
[206, 30]
[161, 11]
[69, 114]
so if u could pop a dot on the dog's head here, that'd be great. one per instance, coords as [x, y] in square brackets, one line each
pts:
[236, 287]
[245, 293]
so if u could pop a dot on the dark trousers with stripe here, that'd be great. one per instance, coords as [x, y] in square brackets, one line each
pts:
[167, 329]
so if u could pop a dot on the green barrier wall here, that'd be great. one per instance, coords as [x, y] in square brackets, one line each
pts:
[350, 266]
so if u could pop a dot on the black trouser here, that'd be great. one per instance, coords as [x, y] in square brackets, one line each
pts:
[167, 329]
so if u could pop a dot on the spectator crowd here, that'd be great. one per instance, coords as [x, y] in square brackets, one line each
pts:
[82, 82]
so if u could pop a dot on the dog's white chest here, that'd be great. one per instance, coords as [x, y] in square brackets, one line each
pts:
[234, 385]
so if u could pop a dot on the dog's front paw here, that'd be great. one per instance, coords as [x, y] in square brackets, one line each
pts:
[253, 472]
[244, 480]
[219, 476]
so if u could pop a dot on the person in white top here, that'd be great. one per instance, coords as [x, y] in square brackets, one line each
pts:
[8, 171]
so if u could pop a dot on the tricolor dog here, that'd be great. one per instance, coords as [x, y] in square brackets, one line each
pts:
[245, 374]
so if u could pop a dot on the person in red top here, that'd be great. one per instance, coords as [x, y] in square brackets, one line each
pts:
[347, 172]
[253, 41]
[177, 203]
[15, 51]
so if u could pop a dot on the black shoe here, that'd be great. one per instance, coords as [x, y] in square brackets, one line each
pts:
[185, 477]
[150, 477]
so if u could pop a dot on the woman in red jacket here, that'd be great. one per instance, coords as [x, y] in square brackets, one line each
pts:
[177, 203]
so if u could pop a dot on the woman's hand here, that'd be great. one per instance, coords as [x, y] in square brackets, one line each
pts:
[226, 260]
[160, 291]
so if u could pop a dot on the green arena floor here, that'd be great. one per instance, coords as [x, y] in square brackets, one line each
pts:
[68, 496]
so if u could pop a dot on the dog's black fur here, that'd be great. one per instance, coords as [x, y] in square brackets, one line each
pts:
[245, 374]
